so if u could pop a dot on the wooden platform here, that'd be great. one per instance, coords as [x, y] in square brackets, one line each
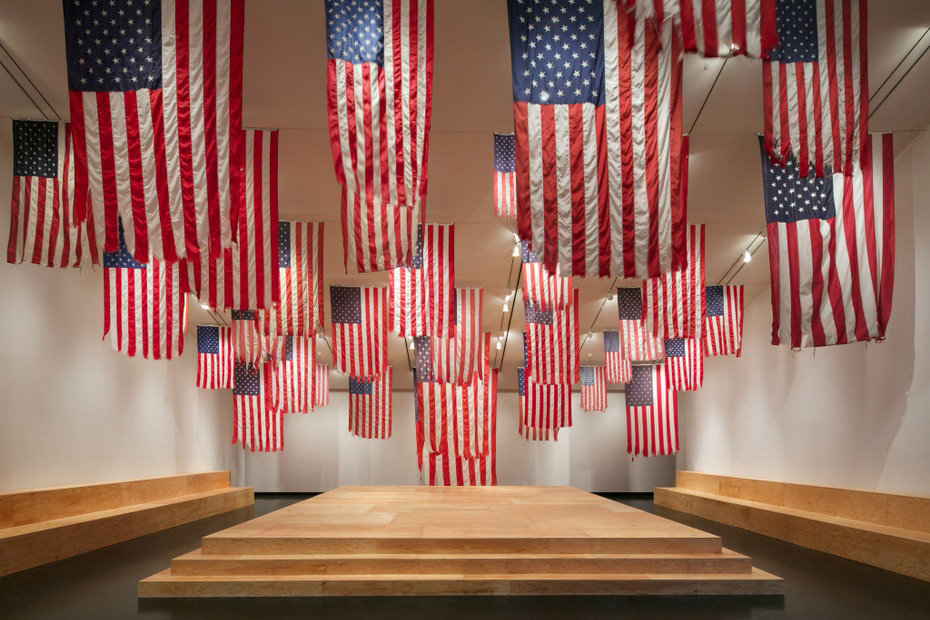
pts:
[38, 526]
[886, 530]
[363, 541]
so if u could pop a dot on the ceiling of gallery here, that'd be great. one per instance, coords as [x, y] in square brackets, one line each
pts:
[285, 83]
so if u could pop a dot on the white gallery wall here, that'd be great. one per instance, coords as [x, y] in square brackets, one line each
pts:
[855, 415]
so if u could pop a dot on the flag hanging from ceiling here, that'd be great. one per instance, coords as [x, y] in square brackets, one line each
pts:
[321, 386]
[674, 304]
[156, 107]
[247, 343]
[294, 375]
[597, 113]
[593, 388]
[408, 313]
[544, 406]
[42, 229]
[816, 86]
[547, 290]
[684, 363]
[530, 433]
[422, 295]
[831, 249]
[300, 263]
[505, 177]
[370, 406]
[457, 359]
[215, 360]
[552, 344]
[637, 343]
[723, 327]
[256, 426]
[359, 328]
[145, 308]
[618, 367]
[377, 237]
[651, 412]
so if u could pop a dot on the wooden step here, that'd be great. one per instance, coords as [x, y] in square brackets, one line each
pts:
[195, 563]
[167, 585]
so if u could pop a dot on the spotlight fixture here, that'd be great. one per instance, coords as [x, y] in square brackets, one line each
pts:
[516, 250]
[204, 306]
[590, 334]
[610, 296]
[411, 344]
[498, 345]
[507, 297]
[506, 307]
[747, 256]
[516, 238]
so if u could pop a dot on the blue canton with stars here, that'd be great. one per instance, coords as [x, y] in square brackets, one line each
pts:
[537, 316]
[360, 387]
[288, 348]
[504, 148]
[247, 380]
[113, 46]
[630, 303]
[796, 22]
[121, 259]
[714, 301]
[243, 315]
[587, 375]
[790, 198]
[354, 31]
[526, 350]
[284, 245]
[346, 304]
[639, 389]
[528, 255]
[675, 347]
[556, 50]
[35, 149]
[423, 358]
[521, 381]
[611, 342]
[208, 339]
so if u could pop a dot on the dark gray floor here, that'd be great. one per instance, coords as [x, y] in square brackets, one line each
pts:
[102, 585]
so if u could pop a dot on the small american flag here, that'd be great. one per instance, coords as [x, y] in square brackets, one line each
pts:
[723, 327]
[247, 343]
[359, 328]
[547, 290]
[42, 230]
[816, 86]
[300, 265]
[674, 303]
[295, 375]
[593, 388]
[215, 361]
[636, 342]
[457, 359]
[618, 368]
[552, 344]
[505, 177]
[256, 425]
[651, 413]
[370, 406]
[422, 295]
[684, 363]
[321, 386]
[408, 313]
[542, 410]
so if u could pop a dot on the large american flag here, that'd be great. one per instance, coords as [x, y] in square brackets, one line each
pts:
[547, 290]
[215, 360]
[636, 340]
[674, 303]
[816, 87]
[723, 327]
[145, 308]
[831, 249]
[552, 344]
[359, 328]
[300, 265]
[651, 412]
[256, 426]
[422, 295]
[42, 228]
[371, 405]
[294, 375]
[545, 407]
[456, 359]
[618, 367]
[321, 386]
[247, 342]
[505, 177]
[593, 388]
[684, 363]
[530, 433]
[156, 107]
[376, 237]
[597, 113]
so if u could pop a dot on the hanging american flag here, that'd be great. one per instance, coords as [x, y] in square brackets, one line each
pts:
[552, 344]
[542, 288]
[42, 229]
[247, 343]
[505, 177]
[684, 363]
[618, 368]
[294, 375]
[377, 237]
[422, 295]
[636, 341]
[593, 388]
[145, 308]
[816, 86]
[530, 433]
[214, 357]
[408, 313]
[831, 250]
[359, 324]
[370, 406]
[321, 386]
[674, 303]
[300, 263]
[545, 408]
[156, 107]
[255, 425]
[651, 413]
[723, 327]
[597, 112]
[457, 359]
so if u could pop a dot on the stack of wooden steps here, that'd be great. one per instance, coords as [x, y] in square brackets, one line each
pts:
[38, 526]
[886, 530]
[364, 541]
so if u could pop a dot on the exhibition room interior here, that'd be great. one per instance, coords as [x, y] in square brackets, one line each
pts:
[370, 308]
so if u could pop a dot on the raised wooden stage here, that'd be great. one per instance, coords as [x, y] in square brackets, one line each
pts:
[363, 541]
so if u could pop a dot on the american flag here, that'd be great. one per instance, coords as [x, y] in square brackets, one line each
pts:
[42, 230]
[247, 343]
[379, 95]
[816, 86]
[321, 386]
[156, 107]
[359, 324]
[145, 308]
[547, 290]
[505, 177]
[831, 249]
[544, 409]
[246, 275]
[214, 357]
[684, 363]
[637, 343]
[408, 313]
[528, 432]
[618, 367]
[552, 344]
[457, 359]
[674, 303]
[376, 237]
[300, 264]
[422, 295]
[255, 425]
[597, 112]
[295, 375]
[593, 388]
[723, 327]
[651, 413]
[370, 406]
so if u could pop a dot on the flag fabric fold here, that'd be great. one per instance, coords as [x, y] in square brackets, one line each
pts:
[321, 386]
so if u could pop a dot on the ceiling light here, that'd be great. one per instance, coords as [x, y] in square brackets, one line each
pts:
[747, 256]
[411, 345]
[498, 345]
[516, 250]
[507, 297]
[590, 334]
[204, 306]
[610, 296]
[516, 238]
[506, 307]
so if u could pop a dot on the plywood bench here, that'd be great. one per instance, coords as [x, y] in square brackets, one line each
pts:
[38, 526]
[886, 530]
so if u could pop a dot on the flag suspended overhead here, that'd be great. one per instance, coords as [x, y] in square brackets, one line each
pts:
[422, 295]
[321, 387]
[300, 273]
[636, 340]
[156, 107]
[256, 425]
[294, 375]
[552, 344]
[723, 327]
[505, 177]
[215, 360]
[618, 367]
[593, 388]
[674, 303]
[247, 343]
[531, 433]
[544, 407]
[377, 237]
[651, 412]
[684, 363]
[359, 329]
[370, 406]
[542, 288]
